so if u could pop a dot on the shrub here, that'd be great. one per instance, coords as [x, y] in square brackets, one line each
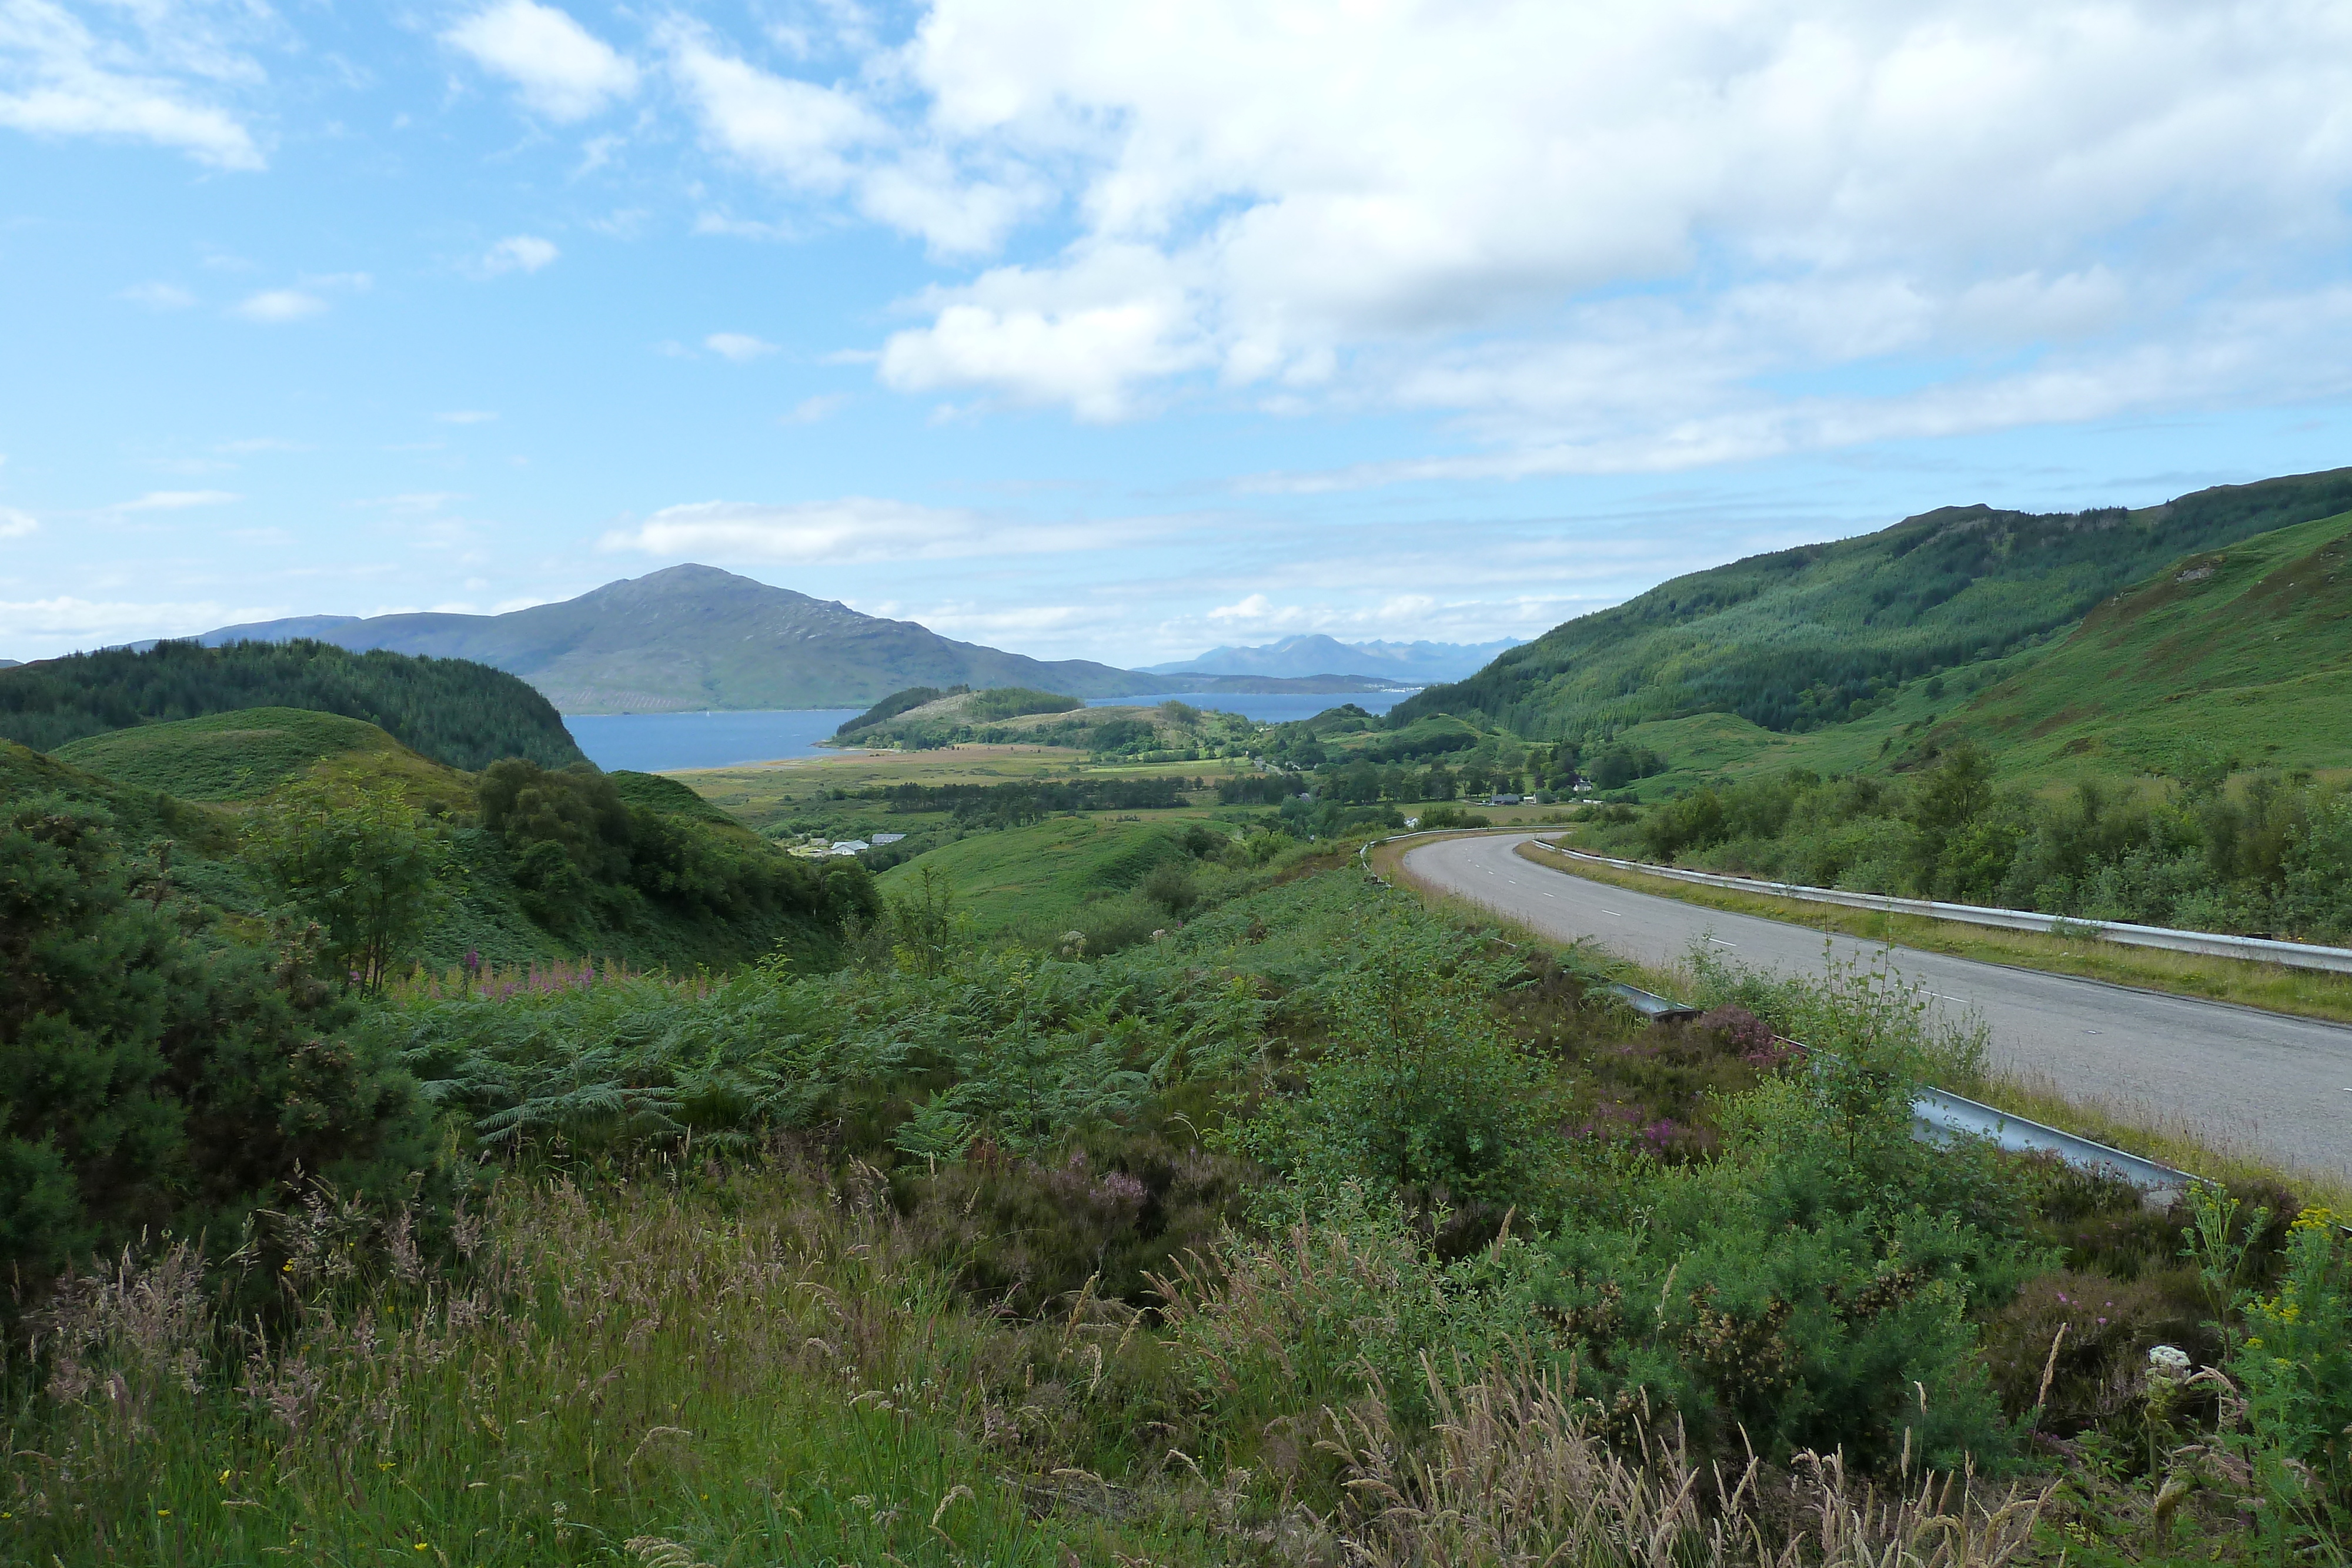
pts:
[1417, 1089]
[1110, 1213]
[1768, 1296]
[2088, 1336]
[2293, 1365]
[358, 860]
[152, 1076]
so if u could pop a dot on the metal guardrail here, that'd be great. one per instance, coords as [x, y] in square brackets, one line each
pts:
[1650, 1005]
[1937, 1115]
[2257, 949]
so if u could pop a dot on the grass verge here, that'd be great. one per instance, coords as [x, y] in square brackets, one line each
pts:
[2135, 1128]
[2309, 993]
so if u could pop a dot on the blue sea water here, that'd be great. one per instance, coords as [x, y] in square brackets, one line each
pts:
[661, 742]
[1266, 707]
[665, 742]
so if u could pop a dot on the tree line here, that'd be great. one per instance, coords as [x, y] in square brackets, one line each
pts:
[2202, 849]
[453, 710]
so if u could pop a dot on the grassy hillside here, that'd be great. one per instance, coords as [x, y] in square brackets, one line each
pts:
[226, 755]
[464, 714]
[1026, 879]
[643, 869]
[2244, 651]
[1824, 634]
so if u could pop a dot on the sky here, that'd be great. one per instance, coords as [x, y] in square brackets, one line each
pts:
[1118, 331]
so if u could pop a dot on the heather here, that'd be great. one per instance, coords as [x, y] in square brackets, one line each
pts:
[1325, 1228]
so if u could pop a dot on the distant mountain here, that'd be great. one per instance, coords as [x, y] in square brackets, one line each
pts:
[1406, 664]
[695, 637]
[286, 631]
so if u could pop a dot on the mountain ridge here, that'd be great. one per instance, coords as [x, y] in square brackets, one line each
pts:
[1319, 653]
[694, 636]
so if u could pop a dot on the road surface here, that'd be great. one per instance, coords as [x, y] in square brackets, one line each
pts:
[2235, 1077]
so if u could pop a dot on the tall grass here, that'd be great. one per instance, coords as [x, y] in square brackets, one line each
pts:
[758, 1369]
[763, 1368]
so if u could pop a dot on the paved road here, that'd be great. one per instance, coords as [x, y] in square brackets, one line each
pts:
[2263, 1081]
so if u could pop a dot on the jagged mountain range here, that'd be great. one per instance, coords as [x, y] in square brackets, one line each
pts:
[1315, 654]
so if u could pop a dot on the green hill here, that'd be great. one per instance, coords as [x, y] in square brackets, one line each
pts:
[1826, 635]
[1044, 876]
[456, 712]
[643, 870]
[2244, 651]
[226, 755]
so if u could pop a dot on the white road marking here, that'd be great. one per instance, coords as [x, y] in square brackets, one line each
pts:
[1721, 943]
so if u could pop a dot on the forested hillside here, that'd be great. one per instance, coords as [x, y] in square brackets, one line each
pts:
[1813, 636]
[2242, 655]
[463, 714]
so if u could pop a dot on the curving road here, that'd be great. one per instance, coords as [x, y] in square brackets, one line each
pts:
[2237, 1077]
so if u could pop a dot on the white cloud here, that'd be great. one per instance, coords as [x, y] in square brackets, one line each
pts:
[159, 295]
[794, 130]
[560, 70]
[175, 500]
[1688, 219]
[1257, 612]
[853, 528]
[44, 628]
[825, 140]
[60, 78]
[16, 525]
[467, 416]
[516, 253]
[739, 347]
[276, 307]
[1085, 337]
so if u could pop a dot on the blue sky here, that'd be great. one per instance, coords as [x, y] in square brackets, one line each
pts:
[1118, 331]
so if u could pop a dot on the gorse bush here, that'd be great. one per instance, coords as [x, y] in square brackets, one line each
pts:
[2286, 1438]
[1415, 1088]
[154, 1076]
[588, 860]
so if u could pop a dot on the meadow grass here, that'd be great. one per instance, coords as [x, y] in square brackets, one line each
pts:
[244, 755]
[721, 1368]
[1045, 871]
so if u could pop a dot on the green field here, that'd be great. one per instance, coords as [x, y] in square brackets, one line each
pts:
[1025, 879]
[228, 755]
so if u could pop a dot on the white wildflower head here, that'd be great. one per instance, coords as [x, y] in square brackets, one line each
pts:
[2168, 1362]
